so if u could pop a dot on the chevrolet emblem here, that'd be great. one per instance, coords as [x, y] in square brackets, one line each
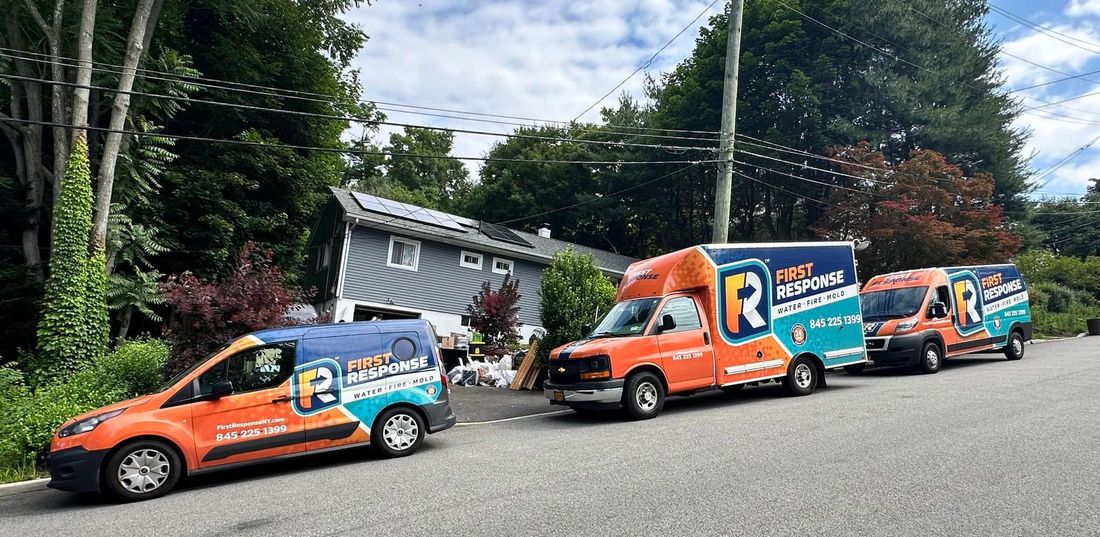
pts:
[561, 370]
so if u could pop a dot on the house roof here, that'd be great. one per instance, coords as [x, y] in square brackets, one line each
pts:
[541, 247]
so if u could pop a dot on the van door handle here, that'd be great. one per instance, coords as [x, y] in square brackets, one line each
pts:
[706, 338]
[281, 399]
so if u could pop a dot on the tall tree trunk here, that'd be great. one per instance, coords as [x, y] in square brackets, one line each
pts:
[82, 92]
[124, 323]
[106, 180]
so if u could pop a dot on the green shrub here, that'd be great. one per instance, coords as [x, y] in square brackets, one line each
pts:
[28, 422]
[1053, 297]
[574, 293]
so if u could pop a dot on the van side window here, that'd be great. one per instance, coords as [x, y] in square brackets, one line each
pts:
[943, 295]
[252, 369]
[682, 309]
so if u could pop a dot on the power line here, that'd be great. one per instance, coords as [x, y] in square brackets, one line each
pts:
[776, 187]
[807, 179]
[612, 194]
[647, 62]
[357, 119]
[1049, 32]
[350, 151]
[255, 89]
[1064, 160]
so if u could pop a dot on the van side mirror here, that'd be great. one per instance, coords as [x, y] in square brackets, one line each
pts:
[667, 323]
[937, 310]
[221, 389]
[585, 330]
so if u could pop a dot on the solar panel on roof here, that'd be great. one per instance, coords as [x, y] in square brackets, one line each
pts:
[406, 211]
[502, 233]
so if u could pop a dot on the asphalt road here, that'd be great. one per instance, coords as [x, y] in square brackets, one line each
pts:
[985, 447]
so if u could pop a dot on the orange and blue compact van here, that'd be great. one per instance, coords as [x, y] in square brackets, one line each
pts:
[919, 318]
[716, 316]
[268, 395]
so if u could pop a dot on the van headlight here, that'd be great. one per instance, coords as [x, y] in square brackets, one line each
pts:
[905, 326]
[87, 424]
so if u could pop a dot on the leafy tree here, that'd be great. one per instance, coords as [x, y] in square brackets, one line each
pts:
[207, 314]
[426, 182]
[923, 213]
[574, 293]
[495, 314]
[1071, 227]
[69, 333]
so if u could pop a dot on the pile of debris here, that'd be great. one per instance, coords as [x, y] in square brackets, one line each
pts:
[499, 374]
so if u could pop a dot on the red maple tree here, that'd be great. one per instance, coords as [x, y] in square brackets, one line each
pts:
[922, 212]
[495, 314]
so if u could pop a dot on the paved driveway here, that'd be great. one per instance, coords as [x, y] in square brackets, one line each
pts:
[984, 447]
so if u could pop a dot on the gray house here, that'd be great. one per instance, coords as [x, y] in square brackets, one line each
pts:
[371, 257]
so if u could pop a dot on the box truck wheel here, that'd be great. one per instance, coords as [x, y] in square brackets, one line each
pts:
[142, 470]
[801, 377]
[931, 357]
[397, 432]
[643, 396]
[1015, 348]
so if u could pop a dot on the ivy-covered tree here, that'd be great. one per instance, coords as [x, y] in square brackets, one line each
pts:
[495, 314]
[70, 332]
[574, 293]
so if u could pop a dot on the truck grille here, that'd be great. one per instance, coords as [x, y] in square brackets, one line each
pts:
[876, 344]
[565, 371]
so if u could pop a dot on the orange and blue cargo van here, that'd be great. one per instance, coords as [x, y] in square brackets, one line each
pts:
[716, 316]
[919, 318]
[268, 395]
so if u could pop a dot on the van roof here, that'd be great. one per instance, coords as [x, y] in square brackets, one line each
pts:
[293, 332]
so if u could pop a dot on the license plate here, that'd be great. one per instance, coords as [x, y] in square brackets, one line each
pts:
[559, 395]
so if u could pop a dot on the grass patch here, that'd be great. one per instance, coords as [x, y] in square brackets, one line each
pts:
[19, 469]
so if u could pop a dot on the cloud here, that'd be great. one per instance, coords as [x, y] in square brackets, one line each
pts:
[548, 59]
[1078, 8]
[1048, 50]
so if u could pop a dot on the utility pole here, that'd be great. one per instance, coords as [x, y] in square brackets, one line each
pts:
[724, 189]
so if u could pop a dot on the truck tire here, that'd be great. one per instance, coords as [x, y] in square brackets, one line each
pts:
[931, 358]
[801, 377]
[398, 432]
[142, 470]
[855, 369]
[1015, 348]
[643, 396]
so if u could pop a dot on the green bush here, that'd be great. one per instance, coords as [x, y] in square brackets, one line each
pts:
[28, 422]
[1053, 297]
[574, 293]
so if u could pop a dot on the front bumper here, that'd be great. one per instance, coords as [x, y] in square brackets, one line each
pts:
[602, 395]
[895, 350]
[75, 469]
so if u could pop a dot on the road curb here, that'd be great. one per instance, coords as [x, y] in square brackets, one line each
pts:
[502, 420]
[20, 487]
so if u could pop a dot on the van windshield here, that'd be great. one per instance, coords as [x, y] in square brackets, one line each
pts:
[626, 318]
[892, 303]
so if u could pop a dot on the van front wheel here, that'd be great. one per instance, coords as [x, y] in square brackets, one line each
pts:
[1015, 348]
[142, 470]
[397, 432]
[931, 358]
[801, 377]
[643, 396]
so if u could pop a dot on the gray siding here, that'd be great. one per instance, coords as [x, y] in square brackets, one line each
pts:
[439, 284]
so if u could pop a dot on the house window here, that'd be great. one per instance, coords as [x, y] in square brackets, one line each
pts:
[469, 260]
[323, 255]
[404, 253]
[502, 266]
[465, 320]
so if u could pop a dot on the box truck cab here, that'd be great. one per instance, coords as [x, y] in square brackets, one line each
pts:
[919, 318]
[267, 395]
[712, 316]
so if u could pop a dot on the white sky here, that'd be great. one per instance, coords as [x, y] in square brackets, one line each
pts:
[552, 59]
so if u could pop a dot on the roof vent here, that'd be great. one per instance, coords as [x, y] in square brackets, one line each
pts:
[544, 232]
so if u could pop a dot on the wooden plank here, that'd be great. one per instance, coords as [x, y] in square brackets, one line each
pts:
[525, 367]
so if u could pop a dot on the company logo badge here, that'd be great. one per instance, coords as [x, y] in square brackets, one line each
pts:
[968, 302]
[745, 307]
[997, 323]
[316, 387]
[798, 334]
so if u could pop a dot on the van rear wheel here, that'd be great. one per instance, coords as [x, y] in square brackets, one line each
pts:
[643, 396]
[1015, 348]
[801, 377]
[397, 432]
[142, 470]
